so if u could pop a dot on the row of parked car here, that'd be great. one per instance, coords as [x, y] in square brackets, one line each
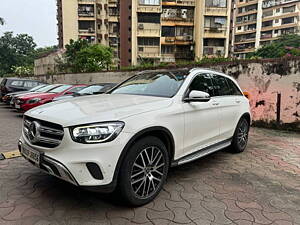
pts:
[22, 94]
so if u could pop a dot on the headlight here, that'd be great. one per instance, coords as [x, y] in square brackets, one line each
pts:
[97, 133]
[33, 101]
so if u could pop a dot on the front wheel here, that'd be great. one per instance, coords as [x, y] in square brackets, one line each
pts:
[144, 171]
[240, 137]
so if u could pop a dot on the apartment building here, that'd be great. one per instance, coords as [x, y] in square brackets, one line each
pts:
[142, 31]
[258, 22]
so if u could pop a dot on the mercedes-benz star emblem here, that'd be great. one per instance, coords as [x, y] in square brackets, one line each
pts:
[34, 132]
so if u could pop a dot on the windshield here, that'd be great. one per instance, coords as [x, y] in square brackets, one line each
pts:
[47, 88]
[37, 87]
[91, 89]
[160, 84]
[60, 89]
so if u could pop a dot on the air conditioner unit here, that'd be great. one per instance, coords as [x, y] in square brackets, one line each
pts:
[141, 26]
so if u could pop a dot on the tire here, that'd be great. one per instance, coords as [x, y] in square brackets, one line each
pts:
[141, 180]
[240, 137]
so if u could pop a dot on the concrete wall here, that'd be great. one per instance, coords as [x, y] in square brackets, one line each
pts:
[263, 79]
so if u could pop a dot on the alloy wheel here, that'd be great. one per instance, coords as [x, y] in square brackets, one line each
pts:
[147, 172]
[243, 134]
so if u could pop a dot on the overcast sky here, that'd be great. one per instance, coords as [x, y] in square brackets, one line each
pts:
[34, 17]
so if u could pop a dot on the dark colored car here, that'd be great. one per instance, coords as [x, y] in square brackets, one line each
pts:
[9, 85]
[8, 97]
[93, 89]
[26, 102]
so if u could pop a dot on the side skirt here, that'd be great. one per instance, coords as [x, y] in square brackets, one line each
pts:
[202, 152]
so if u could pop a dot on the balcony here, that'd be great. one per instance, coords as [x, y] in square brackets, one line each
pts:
[266, 36]
[215, 11]
[214, 51]
[148, 30]
[149, 51]
[178, 2]
[188, 55]
[149, 9]
[271, 3]
[215, 32]
[87, 32]
[86, 1]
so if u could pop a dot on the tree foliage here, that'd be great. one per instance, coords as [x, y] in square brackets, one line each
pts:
[286, 45]
[80, 57]
[15, 51]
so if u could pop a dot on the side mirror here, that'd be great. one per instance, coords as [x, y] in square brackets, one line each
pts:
[198, 96]
[246, 94]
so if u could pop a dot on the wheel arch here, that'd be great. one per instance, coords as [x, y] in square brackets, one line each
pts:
[247, 116]
[161, 133]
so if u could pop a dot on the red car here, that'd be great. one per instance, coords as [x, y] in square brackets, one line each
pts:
[29, 101]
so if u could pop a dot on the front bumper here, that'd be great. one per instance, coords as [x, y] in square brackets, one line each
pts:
[80, 164]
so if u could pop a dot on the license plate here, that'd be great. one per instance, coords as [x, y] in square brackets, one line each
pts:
[32, 155]
[17, 106]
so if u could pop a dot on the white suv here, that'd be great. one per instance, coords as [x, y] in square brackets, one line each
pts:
[130, 136]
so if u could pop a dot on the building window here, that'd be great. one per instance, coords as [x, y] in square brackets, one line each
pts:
[148, 41]
[277, 10]
[288, 9]
[287, 20]
[149, 2]
[167, 49]
[216, 3]
[149, 18]
[277, 21]
[215, 21]
[168, 32]
[239, 27]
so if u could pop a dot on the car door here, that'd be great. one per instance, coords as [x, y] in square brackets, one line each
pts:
[228, 104]
[201, 118]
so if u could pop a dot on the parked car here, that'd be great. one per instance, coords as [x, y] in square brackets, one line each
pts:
[45, 89]
[93, 89]
[24, 103]
[131, 136]
[8, 97]
[9, 85]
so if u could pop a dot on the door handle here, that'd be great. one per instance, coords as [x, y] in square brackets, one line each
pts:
[215, 103]
[238, 101]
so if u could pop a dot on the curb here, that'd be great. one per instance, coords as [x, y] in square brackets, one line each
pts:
[10, 155]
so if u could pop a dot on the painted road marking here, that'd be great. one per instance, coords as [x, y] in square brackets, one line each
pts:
[10, 155]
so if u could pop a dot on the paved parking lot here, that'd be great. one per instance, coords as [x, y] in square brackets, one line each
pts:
[259, 186]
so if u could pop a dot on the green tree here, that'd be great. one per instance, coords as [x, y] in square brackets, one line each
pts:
[80, 56]
[285, 45]
[15, 51]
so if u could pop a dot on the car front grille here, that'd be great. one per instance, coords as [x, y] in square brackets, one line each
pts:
[42, 133]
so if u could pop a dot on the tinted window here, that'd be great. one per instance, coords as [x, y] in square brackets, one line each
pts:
[161, 84]
[202, 82]
[30, 84]
[220, 86]
[233, 88]
[18, 83]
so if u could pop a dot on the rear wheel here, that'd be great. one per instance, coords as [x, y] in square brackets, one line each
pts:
[144, 171]
[240, 138]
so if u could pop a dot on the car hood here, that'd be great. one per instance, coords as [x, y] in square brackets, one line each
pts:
[91, 109]
[38, 95]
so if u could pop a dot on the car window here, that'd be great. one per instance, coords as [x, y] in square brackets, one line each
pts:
[60, 89]
[76, 89]
[30, 84]
[91, 89]
[233, 88]
[202, 82]
[47, 88]
[220, 86]
[160, 84]
[37, 87]
[17, 83]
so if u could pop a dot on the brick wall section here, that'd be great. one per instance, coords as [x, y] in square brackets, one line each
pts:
[262, 78]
